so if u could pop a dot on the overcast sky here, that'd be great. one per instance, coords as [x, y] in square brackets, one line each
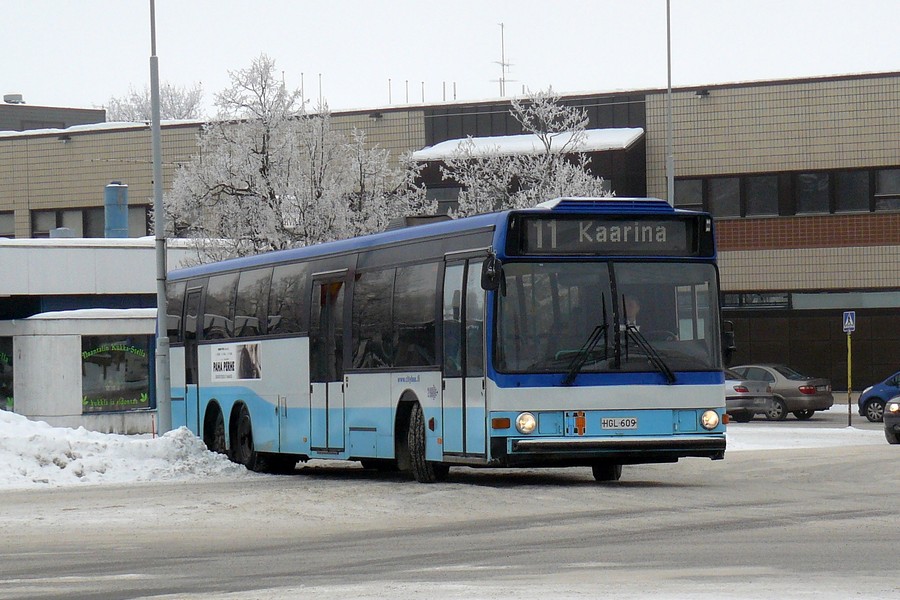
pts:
[80, 54]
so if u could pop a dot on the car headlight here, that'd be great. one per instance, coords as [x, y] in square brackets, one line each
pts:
[709, 419]
[866, 391]
[526, 423]
[893, 407]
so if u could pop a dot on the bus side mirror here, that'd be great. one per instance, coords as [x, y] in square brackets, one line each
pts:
[491, 273]
[728, 345]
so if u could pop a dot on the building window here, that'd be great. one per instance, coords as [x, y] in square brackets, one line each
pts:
[138, 221]
[851, 191]
[115, 372]
[8, 224]
[85, 222]
[812, 193]
[756, 300]
[761, 192]
[94, 220]
[6, 373]
[887, 189]
[725, 197]
[689, 194]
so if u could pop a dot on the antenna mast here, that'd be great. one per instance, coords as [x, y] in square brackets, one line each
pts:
[503, 64]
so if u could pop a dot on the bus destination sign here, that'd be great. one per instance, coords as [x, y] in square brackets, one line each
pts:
[616, 236]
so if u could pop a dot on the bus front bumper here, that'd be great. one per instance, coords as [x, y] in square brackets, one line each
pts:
[580, 451]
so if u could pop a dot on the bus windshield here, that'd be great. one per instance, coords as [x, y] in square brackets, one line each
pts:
[607, 317]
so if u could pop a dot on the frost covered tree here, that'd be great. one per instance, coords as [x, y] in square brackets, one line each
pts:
[270, 175]
[174, 103]
[493, 180]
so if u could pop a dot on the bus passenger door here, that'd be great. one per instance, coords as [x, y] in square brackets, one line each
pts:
[192, 323]
[473, 399]
[463, 350]
[326, 364]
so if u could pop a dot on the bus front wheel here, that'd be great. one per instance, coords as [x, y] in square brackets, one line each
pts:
[606, 471]
[424, 471]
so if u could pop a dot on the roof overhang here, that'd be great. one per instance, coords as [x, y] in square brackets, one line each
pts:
[595, 140]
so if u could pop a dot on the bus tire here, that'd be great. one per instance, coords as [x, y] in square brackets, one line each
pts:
[424, 471]
[214, 431]
[605, 471]
[243, 451]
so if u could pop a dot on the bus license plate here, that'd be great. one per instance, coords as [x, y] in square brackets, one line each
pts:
[619, 423]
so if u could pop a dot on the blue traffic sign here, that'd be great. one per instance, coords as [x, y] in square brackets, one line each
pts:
[849, 321]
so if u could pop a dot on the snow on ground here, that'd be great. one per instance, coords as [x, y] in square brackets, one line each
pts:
[34, 454]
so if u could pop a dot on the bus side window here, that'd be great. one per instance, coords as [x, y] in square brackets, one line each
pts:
[474, 322]
[252, 303]
[414, 318]
[286, 305]
[174, 309]
[451, 316]
[372, 338]
[218, 320]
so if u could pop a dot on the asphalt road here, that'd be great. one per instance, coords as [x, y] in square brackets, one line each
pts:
[759, 524]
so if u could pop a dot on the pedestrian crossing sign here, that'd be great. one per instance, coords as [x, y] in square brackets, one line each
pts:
[849, 321]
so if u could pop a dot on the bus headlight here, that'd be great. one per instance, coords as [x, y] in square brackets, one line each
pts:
[709, 419]
[526, 423]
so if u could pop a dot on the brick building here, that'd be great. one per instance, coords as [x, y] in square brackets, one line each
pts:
[802, 176]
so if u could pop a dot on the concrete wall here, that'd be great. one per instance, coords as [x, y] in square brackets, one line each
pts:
[89, 266]
[47, 366]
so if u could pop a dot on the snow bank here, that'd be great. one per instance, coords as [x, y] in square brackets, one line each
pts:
[34, 454]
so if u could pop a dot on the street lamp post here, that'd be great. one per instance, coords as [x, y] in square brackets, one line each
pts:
[670, 152]
[163, 378]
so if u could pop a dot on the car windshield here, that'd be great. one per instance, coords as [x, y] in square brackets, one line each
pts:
[731, 375]
[607, 316]
[790, 373]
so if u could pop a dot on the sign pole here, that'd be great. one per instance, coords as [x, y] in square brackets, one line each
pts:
[849, 378]
[849, 326]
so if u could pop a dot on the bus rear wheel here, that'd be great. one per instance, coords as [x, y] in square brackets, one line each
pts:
[606, 471]
[214, 432]
[424, 471]
[243, 451]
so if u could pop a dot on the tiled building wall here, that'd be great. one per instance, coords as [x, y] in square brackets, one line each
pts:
[398, 132]
[837, 123]
[810, 269]
[829, 124]
[45, 171]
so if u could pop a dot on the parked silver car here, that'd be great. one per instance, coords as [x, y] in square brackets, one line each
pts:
[746, 398]
[793, 392]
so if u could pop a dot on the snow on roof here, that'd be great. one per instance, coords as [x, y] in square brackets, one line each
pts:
[595, 140]
[108, 126]
[97, 313]
[64, 242]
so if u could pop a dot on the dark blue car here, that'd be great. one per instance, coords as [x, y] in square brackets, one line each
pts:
[874, 397]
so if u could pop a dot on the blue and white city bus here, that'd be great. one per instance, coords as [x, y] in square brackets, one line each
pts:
[582, 332]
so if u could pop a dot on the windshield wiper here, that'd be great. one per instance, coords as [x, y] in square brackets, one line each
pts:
[649, 350]
[581, 357]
